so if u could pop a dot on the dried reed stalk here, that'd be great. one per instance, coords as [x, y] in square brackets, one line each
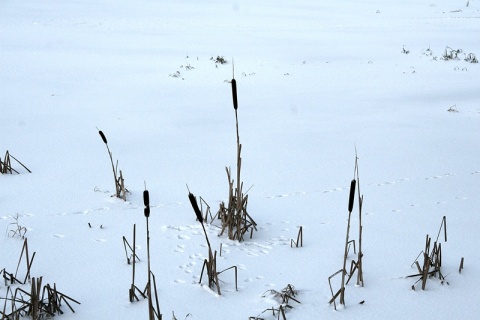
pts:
[299, 239]
[359, 264]
[20, 164]
[461, 266]
[131, 292]
[335, 296]
[131, 250]
[27, 260]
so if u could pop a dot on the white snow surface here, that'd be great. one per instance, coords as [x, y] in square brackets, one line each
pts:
[316, 81]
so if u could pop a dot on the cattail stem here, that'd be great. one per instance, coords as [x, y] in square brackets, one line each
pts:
[117, 190]
[149, 284]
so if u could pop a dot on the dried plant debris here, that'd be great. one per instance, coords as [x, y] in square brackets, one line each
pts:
[6, 164]
[14, 229]
[36, 301]
[429, 260]
[219, 60]
[283, 299]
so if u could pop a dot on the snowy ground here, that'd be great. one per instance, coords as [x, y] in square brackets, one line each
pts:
[315, 79]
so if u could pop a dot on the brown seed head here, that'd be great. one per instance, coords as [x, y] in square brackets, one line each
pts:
[193, 201]
[234, 94]
[352, 195]
[103, 136]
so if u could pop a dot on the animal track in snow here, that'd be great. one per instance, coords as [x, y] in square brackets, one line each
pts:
[378, 184]
[440, 176]
[256, 278]
[179, 248]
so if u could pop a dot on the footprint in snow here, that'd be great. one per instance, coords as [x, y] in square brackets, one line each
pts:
[59, 235]
[179, 248]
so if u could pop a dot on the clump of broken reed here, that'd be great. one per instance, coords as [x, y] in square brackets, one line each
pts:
[120, 190]
[37, 302]
[209, 264]
[356, 265]
[16, 230]
[234, 216]
[429, 260]
[6, 164]
[283, 297]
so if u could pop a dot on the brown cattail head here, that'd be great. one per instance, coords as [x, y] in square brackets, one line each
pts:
[103, 136]
[146, 211]
[352, 195]
[146, 198]
[234, 94]
[193, 201]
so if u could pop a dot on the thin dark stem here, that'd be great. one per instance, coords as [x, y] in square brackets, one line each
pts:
[149, 288]
[114, 172]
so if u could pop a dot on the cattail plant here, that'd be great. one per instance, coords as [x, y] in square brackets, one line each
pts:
[146, 211]
[234, 216]
[210, 264]
[355, 265]
[120, 190]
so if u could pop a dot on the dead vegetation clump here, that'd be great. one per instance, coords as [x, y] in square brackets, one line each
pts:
[37, 301]
[429, 260]
[283, 297]
[6, 164]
